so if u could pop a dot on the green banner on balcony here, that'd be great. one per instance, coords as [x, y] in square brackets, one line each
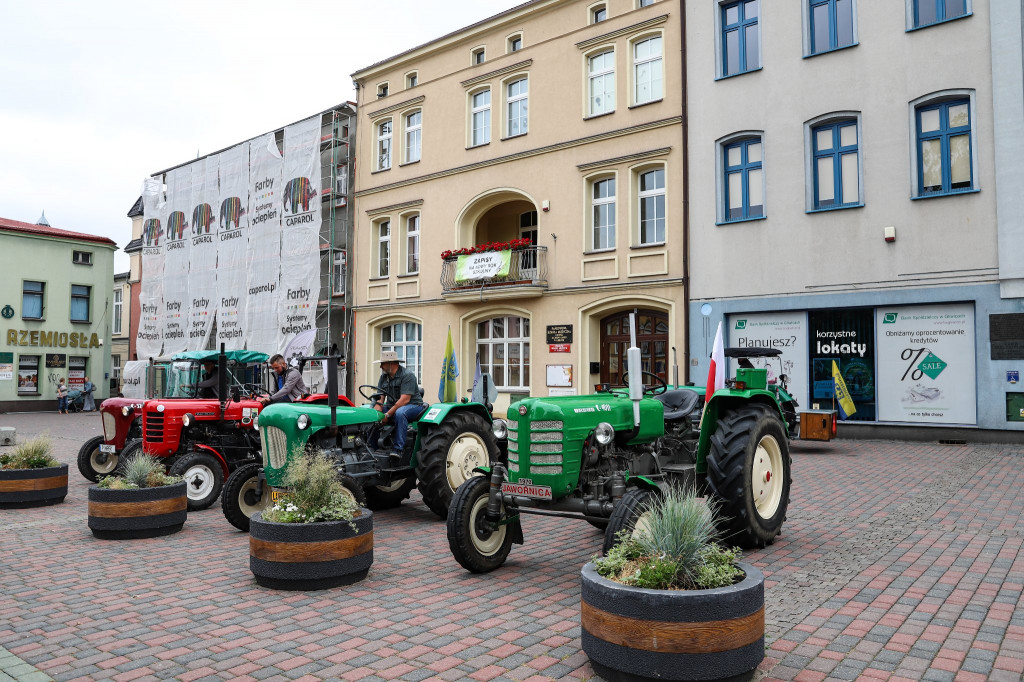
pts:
[483, 266]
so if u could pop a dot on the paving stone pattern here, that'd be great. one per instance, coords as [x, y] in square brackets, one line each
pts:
[898, 561]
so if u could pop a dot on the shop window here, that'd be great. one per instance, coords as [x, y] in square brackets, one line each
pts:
[32, 300]
[503, 345]
[846, 337]
[28, 374]
[77, 373]
[406, 339]
[80, 303]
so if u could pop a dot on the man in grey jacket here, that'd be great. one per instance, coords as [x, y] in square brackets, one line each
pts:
[293, 387]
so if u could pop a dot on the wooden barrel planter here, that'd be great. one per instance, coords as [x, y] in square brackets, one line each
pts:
[21, 488]
[138, 512]
[310, 556]
[631, 633]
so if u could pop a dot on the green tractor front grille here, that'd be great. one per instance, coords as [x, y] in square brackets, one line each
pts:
[541, 448]
[275, 447]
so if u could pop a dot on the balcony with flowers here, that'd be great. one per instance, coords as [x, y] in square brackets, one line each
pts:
[498, 269]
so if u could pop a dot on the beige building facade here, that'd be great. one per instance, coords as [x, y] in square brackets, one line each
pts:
[557, 124]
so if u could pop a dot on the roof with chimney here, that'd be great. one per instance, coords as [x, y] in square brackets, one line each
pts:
[16, 226]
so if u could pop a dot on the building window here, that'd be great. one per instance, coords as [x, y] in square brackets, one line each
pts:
[413, 136]
[478, 56]
[412, 245]
[118, 307]
[836, 165]
[28, 374]
[928, 12]
[601, 83]
[744, 180]
[115, 367]
[503, 344]
[480, 117]
[81, 257]
[338, 274]
[77, 373]
[944, 148]
[79, 303]
[602, 198]
[517, 100]
[831, 25]
[384, 145]
[32, 300]
[405, 339]
[598, 13]
[647, 70]
[412, 80]
[382, 90]
[383, 248]
[652, 206]
[644, 3]
[741, 49]
[515, 43]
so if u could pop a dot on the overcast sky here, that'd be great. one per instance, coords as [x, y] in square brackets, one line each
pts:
[96, 95]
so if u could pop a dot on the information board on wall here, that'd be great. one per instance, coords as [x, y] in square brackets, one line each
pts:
[784, 331]
[926, 370]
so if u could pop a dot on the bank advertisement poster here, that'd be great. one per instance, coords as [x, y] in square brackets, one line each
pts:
[233, 241]
[846, 337]
[785, 331]
[149, 338]
[926, 369]
[202, 279]
[176, 256]
[263, 257]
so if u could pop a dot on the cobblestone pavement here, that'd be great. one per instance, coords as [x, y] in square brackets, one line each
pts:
[898, 560]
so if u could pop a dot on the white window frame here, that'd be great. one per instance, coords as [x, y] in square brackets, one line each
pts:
[602, 74]
[411, 224]
[644, 3]
[935, 98]
[638, 171]
[381, 141]
[809, 174]
[524, 345]
[478, 50]
[510, 42]
[592, 11]
[591, 203]
[412, 79]
[383, 250]
[383, 89]
[413, 147]
[115, 366]
[402, 347]
[485, 113]
[720, 145]
[338, 273]
[508, 102]
[635, 67]
[118, 310]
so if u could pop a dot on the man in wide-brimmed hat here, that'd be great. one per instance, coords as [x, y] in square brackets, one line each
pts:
[402, 402]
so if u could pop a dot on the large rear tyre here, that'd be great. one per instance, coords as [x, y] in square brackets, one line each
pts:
[130, 450]
[476, 548]
[203, 476]
[238, 501]
[391, 495]
[749, 474]
[94, 464]
[628, 515]
[354, 488]
[448, 455]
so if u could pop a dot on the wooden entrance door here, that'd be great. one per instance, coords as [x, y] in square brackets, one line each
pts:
[651, 338]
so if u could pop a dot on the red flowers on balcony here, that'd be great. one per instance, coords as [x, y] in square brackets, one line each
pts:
[511, 245]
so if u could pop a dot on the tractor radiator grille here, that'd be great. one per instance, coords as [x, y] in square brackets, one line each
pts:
[513, 436]
[513, 466]
[550, 471]
[545, 459]
[275, 446]
[109, 426]
[545, 437]
[513, 446]
[546, 425]
[154, 427]
[546, 447]
[512, 426]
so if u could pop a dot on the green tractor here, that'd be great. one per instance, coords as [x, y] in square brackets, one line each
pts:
[444, 446]
[605, 457]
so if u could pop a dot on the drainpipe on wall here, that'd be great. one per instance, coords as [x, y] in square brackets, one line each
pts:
[686, 199]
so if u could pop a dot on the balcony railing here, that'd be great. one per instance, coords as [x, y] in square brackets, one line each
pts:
[528, 268]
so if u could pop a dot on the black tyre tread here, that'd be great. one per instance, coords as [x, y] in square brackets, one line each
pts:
[378, 499]
[85, 458]
[355, 488]
[182, 464]
[726, 477]
[231, 490]
[626, 512]
[459, 527]
[131, 448]
[431, 469]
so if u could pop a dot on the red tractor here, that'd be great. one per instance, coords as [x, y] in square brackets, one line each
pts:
[122, 424]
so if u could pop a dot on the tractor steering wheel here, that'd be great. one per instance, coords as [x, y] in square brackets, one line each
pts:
[657, 388]
[374, 392]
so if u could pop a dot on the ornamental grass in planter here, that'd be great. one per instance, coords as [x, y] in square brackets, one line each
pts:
[31, 477]
[669, 602]
[315, 536]
[141, 502]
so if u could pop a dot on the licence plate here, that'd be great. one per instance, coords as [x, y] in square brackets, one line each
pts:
[109, 449]
[540, 492]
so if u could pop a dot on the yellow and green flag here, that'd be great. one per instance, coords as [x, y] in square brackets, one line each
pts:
[447, 392]
[846, 406]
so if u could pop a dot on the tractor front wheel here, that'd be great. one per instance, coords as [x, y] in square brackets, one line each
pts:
[239, 501]
[628, 515]
[448, 455]
[130, 450]
[390, 495]
[474, 545]
[203, 478]
[94, 464]
[749, 475]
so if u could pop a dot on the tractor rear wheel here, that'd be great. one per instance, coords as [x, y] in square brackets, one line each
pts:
[448, 455]
[390, 495]
[203, 476]
[474, 546]
[353, 488]
[239, 501]
[749, 474]
[628, 515]
[94, 464]
[130, 450]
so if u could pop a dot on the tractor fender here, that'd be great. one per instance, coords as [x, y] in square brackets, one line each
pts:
[220, 458]
[643, 482]
[438, 412]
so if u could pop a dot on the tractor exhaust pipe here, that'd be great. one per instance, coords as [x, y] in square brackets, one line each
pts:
[150, 379]
[675, 368]
[332, 391]
[222, 381]
[636, 380]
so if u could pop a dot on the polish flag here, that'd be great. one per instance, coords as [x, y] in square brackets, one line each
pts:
[716, 375]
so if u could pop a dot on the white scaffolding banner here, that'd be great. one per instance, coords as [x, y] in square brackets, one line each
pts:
[263, 258]
[133, 379]
[300, 235]
[179, 201]
[149, 339]
[233, 224]
[202, 278]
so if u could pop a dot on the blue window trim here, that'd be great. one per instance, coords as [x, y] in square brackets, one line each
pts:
[835, 208]
[741, 27]
[743, 169]
[740, 220]
[738, 73]
[936, 195]
[833, 23]
[944, 133]
[940, 11]
[836, 152]
[838, 49]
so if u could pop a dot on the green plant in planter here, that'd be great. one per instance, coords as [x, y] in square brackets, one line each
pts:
[314, 493]
[32, 454]
[141, 471]
[674, 545]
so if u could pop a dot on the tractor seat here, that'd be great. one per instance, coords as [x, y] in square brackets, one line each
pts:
[679, 403]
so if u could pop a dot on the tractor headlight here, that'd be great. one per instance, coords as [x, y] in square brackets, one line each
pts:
[160, 408]
[303, 422]
[186, 419]
[499, 429]
[256, 422]
[604, 433]
[125, 411]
